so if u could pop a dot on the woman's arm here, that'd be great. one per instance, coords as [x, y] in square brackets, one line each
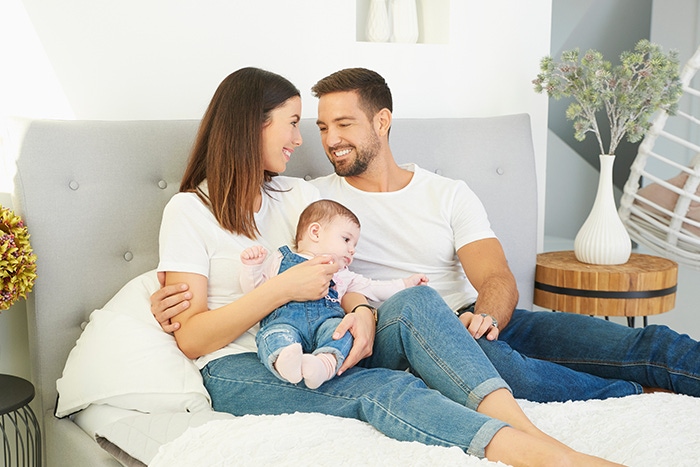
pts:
[168, 302]
[200, 333]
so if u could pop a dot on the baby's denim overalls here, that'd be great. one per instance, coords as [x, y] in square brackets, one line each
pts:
[310, 323]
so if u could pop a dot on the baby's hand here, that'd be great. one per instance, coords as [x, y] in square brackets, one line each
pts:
[253, 255]
[416, 279]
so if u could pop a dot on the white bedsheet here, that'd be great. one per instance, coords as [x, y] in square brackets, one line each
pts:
[645, 430]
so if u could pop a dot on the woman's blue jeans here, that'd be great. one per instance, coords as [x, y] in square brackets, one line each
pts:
[416, 329]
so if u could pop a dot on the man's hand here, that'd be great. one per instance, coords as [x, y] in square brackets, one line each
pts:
[480, 325]
[168, 302]
[362, 327]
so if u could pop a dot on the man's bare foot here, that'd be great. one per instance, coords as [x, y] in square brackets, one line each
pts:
[646, 390]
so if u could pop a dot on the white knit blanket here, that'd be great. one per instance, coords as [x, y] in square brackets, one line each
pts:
[645, 430]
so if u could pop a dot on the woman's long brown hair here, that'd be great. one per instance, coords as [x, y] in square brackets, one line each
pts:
[228, 150]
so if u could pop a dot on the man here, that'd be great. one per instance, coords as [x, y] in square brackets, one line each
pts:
[542, 356]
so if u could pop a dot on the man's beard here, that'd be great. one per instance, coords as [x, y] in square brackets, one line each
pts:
[363, 156]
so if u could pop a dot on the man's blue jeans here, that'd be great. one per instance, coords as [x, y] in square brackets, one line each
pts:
[529, 378]
[416, 329]
[553, 356]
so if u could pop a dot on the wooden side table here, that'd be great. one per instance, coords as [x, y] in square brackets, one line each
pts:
[21, 437]
[645, 285]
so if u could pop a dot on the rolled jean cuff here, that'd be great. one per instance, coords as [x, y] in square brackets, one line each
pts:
[477, 394]
[483, 437]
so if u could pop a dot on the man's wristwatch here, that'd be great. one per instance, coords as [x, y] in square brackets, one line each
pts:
[371, 308]
[465, 309]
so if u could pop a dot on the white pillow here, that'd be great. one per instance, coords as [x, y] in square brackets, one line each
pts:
[124, 359]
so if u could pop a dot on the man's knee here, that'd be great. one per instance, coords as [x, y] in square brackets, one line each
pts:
[421, 300]
[419, 294]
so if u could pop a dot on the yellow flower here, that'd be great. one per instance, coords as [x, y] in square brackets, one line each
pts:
[17, 262]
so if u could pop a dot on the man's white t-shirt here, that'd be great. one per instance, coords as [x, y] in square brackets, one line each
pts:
[417, 229]
[191, 240]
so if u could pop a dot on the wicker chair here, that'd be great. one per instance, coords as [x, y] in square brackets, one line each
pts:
[665, 214]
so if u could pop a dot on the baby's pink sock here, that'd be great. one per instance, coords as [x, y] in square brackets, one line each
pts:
[288, 363]
[317, 369]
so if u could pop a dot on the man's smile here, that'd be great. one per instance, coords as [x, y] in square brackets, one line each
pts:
[342, 152]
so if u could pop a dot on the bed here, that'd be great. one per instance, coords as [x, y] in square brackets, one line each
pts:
[92, 193]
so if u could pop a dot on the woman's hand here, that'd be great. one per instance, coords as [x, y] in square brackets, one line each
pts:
[168, 302]
[308, 280]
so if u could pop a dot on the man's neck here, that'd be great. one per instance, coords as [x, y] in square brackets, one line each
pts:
[381, 176]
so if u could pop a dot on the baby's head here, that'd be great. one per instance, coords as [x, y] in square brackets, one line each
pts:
[328, 227]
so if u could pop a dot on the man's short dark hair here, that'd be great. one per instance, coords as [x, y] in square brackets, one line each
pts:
[373, 92]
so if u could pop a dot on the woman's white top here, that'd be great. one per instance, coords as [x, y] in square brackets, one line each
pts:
[192, 241]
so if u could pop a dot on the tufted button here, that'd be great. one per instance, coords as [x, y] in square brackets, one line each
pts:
[128, 256]
[307, 177]
[162, 184]
[500, 171]
[438, 171]
[73, 185]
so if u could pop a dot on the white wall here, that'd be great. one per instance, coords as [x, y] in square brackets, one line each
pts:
[162, 59]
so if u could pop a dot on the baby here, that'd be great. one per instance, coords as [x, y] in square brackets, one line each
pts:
[295, 341]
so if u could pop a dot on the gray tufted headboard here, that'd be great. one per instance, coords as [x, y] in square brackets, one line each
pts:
[92, 193]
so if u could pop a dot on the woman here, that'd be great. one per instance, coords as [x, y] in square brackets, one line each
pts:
[231, 199]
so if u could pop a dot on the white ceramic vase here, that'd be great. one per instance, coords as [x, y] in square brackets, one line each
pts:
[404, 18]
[378, 28]
[603, 238]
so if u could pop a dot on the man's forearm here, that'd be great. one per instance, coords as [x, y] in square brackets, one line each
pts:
[498, 297]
